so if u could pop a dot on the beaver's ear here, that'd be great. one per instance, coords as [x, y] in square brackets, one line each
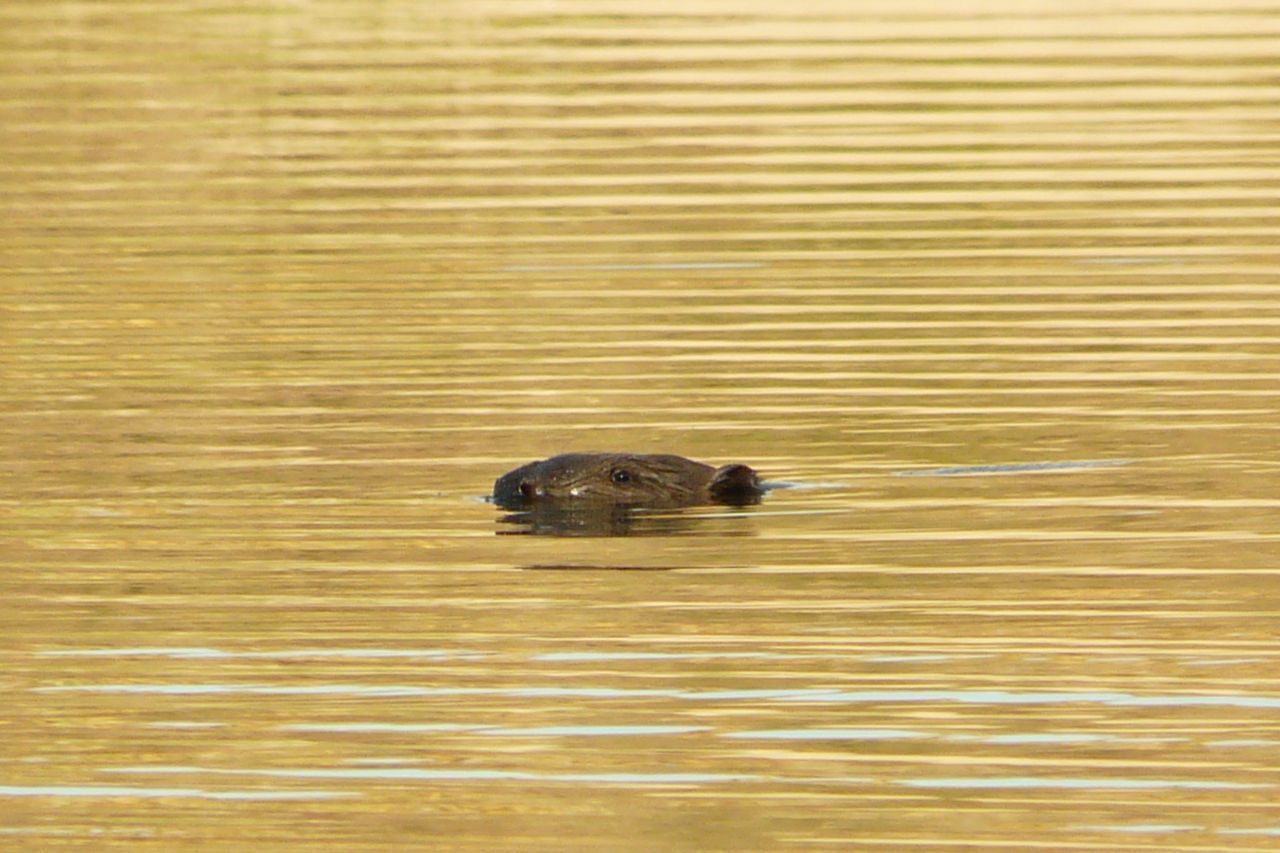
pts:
[735, 483]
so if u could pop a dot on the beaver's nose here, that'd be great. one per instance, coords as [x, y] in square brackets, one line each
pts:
[530, 490]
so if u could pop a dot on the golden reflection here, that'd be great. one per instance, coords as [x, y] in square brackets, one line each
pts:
[286, 288]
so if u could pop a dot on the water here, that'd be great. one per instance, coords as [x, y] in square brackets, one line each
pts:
[285, 289]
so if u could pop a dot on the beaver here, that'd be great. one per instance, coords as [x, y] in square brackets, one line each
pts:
[625, 480]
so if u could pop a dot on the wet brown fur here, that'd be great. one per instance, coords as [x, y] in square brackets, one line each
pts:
[625, 479]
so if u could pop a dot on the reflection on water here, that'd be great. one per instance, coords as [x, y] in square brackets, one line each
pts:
[569, 520]
[123, 791]
[1095, 784]
[549, 519]
[456, 774]
[994, 289]
[982, 697]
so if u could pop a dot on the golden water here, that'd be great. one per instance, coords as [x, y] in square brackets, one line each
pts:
[286, 286]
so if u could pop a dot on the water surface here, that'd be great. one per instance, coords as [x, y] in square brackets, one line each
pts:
[285, 289]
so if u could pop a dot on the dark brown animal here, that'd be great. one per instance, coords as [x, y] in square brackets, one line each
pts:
[625, 480]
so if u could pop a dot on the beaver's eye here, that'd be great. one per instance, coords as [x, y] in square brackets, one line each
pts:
[620, 475]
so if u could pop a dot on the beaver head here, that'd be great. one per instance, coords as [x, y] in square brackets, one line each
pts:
[625, 479]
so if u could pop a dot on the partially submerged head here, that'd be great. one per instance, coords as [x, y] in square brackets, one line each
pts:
[625, 479]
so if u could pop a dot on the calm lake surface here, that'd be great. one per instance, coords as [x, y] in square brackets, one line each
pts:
[285, 287]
